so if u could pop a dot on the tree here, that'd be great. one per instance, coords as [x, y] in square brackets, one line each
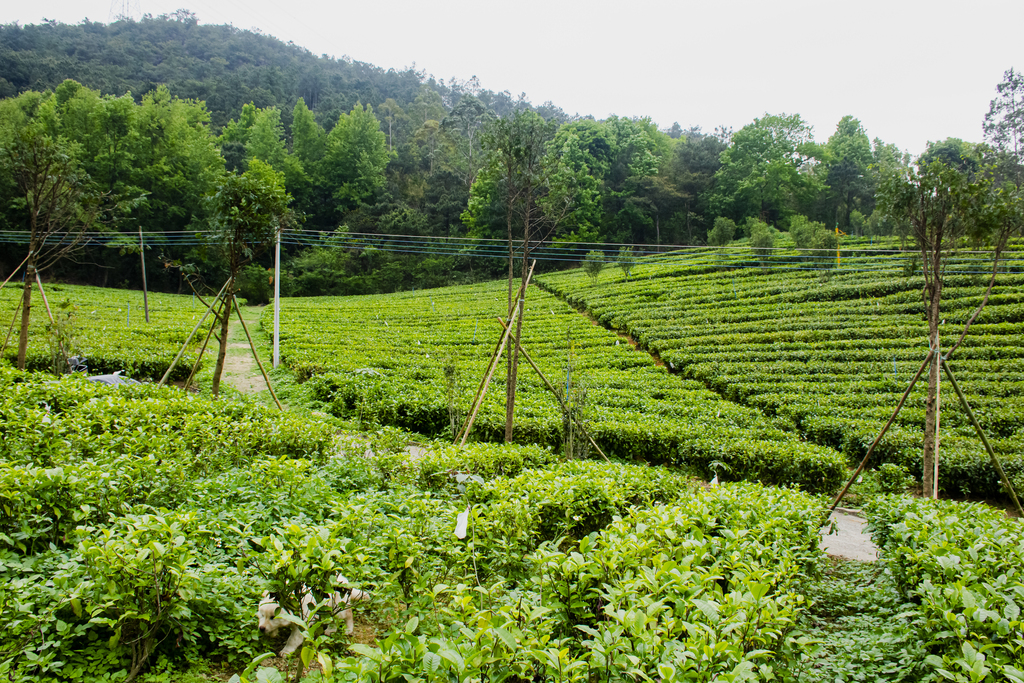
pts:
[849, 152]
[59, 202]
[467, 119]
[943, 206]
[626, 260]
[1004, 123]
[763, 173]
[722, 232]
[356, 157]
[248, 211]
[762, 239]
[593, 264]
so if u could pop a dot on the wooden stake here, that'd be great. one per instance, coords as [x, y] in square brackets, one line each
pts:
[984, 440]
[491, 367]
[181, 352]
[199, 358]
[42, 292]
[554, 391]
[13, 272]
[899, 407]
[938, 415]
[254, 354]
[10, 330]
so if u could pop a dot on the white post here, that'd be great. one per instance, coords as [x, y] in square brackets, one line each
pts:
[277, 301]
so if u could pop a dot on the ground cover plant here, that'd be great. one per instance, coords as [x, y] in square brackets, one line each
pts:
[830, 352]
[414, 360]
[108, 328]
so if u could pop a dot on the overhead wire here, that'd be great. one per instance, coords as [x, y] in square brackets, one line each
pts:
[857, 258]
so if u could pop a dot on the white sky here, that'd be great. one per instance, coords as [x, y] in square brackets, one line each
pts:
[911, 71]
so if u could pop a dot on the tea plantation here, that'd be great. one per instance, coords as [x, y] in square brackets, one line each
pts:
[827, 354]
[140, 525]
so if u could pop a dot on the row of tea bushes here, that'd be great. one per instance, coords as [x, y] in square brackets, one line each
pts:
[108, 327]
[828, 358]
[963, 564]
[414, 359]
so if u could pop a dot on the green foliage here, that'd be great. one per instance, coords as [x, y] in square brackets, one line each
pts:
[963, 565]
[625, 260]
[722, 232]
[762, 239]
[593, 264]
[858, 628]
[386, 366]
[254, 285]
[110, 332]
[828, 361]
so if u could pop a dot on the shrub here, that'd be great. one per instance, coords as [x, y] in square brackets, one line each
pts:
[722, 232]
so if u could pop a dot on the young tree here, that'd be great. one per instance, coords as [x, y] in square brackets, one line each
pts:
[722, 232]
[626, 260]
[248, 212]
[762, 240]
[538, 188]
[593, 264]
[943, 206]
[59, 202]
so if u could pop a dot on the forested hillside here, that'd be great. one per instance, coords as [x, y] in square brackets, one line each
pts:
[148, 117]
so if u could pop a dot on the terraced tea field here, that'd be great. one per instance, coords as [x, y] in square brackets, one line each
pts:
[108, 327]
[830, 354]
[383, 359]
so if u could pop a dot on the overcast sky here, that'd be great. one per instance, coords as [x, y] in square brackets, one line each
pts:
[911, 71]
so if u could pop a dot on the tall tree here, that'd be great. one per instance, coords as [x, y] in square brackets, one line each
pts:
[356, 157]
[763, 173]
[849, 158]
[1004, 123]
[465, 123]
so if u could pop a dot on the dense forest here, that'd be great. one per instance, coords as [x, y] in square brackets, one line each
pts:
[147, 118]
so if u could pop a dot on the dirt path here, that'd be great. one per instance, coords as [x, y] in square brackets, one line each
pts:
[240, 368]
[851, 540]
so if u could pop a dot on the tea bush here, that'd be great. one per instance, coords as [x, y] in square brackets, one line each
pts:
[964, 565]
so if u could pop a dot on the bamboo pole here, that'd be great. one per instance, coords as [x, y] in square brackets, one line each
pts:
[254, 354]
[984, 439]
[899, 407]
[492, 366]
[277, 300]
[42, 293]
[10, 330]
[938, 416]
[181, 352]
[199, 358]
[13, 272]
[561, 402]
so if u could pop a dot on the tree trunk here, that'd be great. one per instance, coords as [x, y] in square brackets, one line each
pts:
[224, 322]
[26, 309]
[929, 485]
